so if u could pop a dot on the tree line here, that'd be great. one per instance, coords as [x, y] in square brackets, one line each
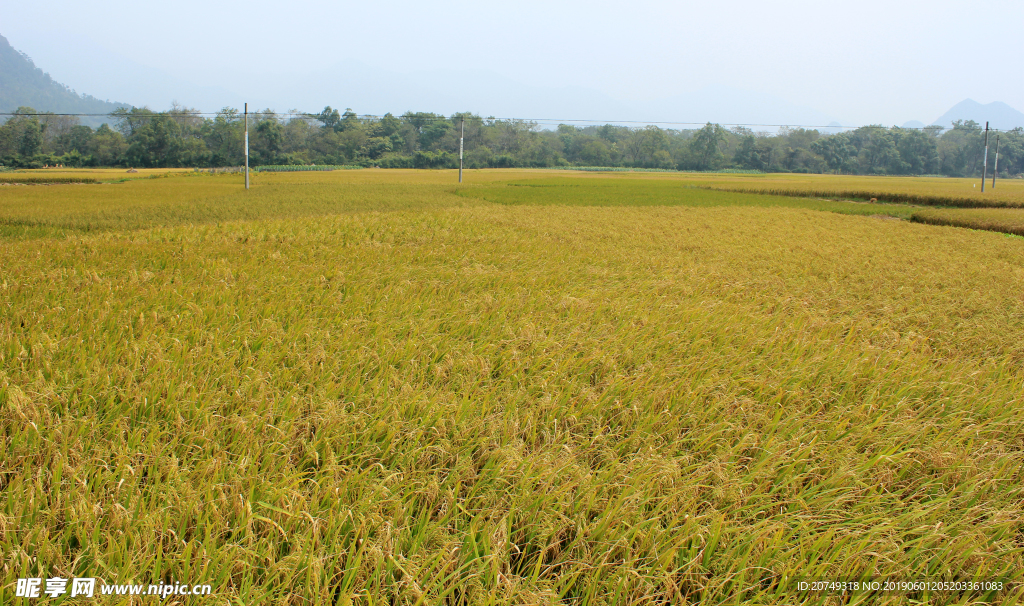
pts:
[183, 137]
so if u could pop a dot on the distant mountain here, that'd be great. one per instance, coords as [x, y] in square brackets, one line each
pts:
[998, 114]
[24, 84]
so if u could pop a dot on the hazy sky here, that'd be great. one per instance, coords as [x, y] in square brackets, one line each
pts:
[863, 62]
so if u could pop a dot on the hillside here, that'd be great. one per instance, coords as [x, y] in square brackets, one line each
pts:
[997, 113]
[24, 84]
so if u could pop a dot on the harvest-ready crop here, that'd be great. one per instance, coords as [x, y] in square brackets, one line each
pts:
[933, 191]
[374, 387]
[1006, 220]
[27, 178]
[296, 168]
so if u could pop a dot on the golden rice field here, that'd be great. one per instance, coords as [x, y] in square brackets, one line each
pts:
[378, 387]
[938, 191]
[1006, 220]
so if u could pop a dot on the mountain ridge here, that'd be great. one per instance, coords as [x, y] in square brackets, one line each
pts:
[999, 115]
[23, 84]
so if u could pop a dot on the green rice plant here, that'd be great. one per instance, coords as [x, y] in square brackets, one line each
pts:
[655, 192]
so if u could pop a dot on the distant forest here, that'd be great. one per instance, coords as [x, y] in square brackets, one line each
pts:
[182, 137]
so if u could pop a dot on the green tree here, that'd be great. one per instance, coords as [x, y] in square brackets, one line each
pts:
[267, 141]
[154, 143]
[128, 121]
[643, 143]
[78, 138]
[224, 138]
[879, 154]
[30, 141]
[514, 136]
[918, 151]
[330, 118]
[748, 155]
[375, 147]
[961, 148]
[595, 152]
[107, 147]
[433, 132]
[572, 140]
[836, 151]
[705, 145]
[349, 121]
[1011, 152]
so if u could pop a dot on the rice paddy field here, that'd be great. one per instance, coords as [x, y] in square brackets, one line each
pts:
[381, 387]
[936, 191]
[1005, 220]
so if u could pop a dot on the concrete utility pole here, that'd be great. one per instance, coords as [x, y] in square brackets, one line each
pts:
[461, 137]
[984, 171]
[995, 168]
[246, 146]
